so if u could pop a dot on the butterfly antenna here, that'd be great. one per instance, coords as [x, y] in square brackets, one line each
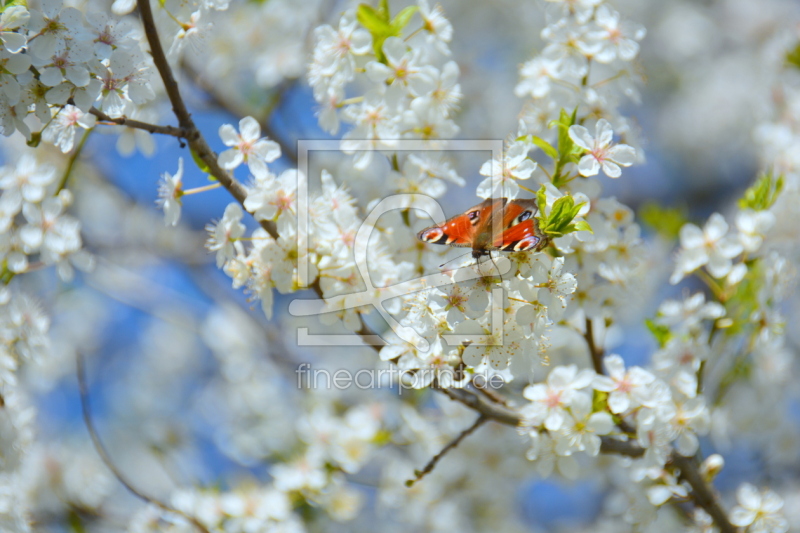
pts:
[496, 267]
[454, 259]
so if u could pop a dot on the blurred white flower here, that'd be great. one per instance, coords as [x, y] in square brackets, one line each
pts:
[61, 131]
[170, 191]
[550, 400]
[710, 247]
[752, 226]
[617, 39]
[536, 75]
[501, 175]
[582, 429]
[224, 234]
[438, 28]
[625, 388]
[758, 511]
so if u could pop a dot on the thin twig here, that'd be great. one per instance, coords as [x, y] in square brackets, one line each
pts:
[493, 411]
[103, 453]
[596, 352]
[491, 394]
[419, 474]
[136, 124]
[72, 160]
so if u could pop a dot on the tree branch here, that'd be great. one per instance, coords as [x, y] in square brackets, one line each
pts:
[596, 352]
[103, 453]
[130, 123]
[419, 474]
[703, 493]
[197, 144]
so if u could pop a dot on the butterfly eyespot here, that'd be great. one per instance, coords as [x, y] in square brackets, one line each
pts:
[473, 215]
[525, 215]
[527, 243]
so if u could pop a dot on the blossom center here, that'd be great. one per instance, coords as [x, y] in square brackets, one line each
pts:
[553, 399]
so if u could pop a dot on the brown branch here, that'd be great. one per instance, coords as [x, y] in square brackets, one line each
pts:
[596, 352]
[492, 411]
[136, 124]
[197, 143]
[703, 493]
[511, 417]
[419, 474]
[103, 453]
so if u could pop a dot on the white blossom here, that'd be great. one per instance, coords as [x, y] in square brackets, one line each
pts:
[247, 146]
[170, 191]
[710, 247]
[758, 511]
[601, 152]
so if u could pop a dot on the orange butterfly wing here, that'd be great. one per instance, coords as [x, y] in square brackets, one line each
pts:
[517, 227]
[521, 231]
[461, 230]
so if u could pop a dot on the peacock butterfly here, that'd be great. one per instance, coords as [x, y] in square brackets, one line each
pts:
[516, 228]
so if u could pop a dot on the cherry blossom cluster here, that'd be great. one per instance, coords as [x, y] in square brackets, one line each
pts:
[661, 408]
[542, 322]
[270, 263]
[598, 269]
[406, 84]
[55, 56]
[275, 35]
[36, 231]
[578, 291]
[311, 455]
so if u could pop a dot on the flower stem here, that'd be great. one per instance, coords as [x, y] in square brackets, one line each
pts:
[71, 163]
[202, 189]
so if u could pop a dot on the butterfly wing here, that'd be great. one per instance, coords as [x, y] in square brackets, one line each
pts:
[520, 228]
[461, 230]
[516, 224]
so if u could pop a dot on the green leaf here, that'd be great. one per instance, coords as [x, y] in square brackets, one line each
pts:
[402, 19]
[567, 151]
[599, 401]
[660, 332]
[36, 138]
[379, 25]
[666, 221]
[564, 142]
[372, 20]
[546, 147]
[763, 193]
[560, 220]
[200, 163]
[562, 209]
[10, 3]
[793, 57]
[383, 10]
[541, 199]
[582, 225]
[405, 213]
